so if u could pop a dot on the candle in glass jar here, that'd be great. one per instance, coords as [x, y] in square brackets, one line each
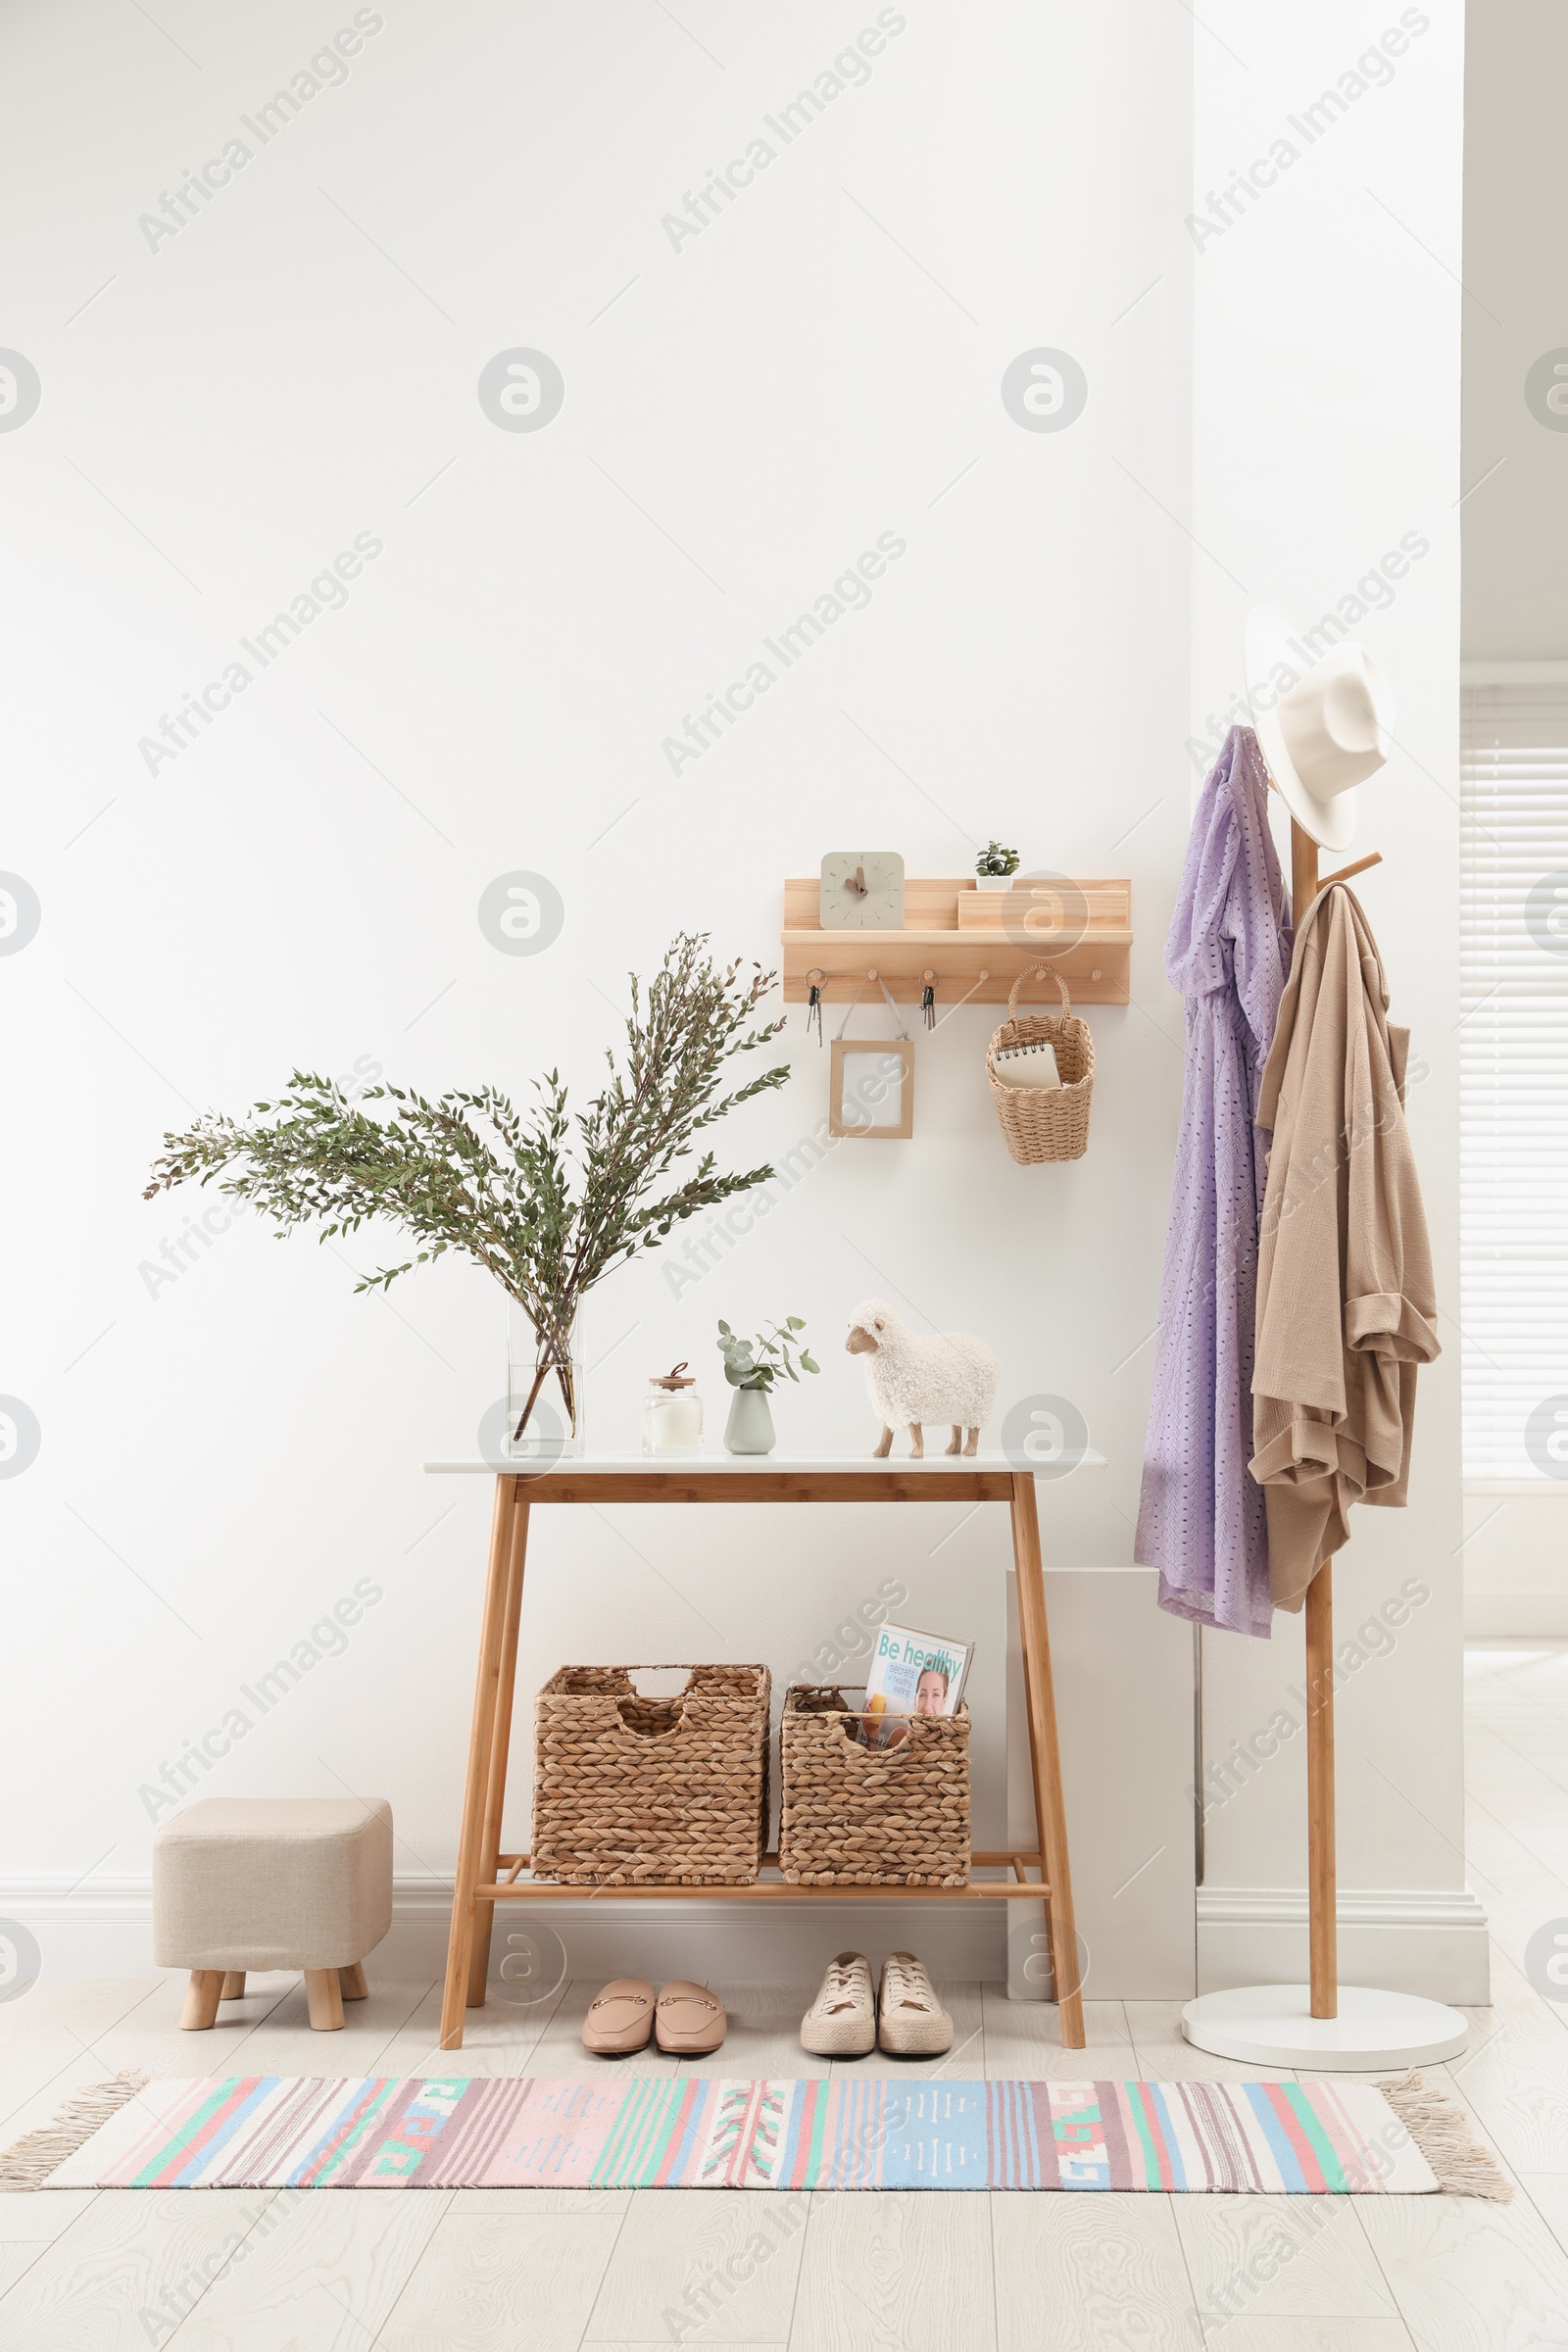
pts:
[672, 1413]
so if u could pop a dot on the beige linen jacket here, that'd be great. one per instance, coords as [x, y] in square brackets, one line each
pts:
[1345, 1310]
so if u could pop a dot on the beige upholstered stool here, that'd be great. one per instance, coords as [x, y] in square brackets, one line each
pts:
[259, 1881]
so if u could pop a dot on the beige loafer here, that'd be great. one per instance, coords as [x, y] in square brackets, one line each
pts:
[688, 2021]
[620, 2019]
[912, 2021]
[841, 2022]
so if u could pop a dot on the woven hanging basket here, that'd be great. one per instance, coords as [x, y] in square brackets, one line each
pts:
[856, 1816]
[666, 1791]
[1045, 1122]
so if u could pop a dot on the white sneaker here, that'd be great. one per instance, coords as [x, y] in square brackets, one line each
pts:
[912, 2021]
[841, 2022]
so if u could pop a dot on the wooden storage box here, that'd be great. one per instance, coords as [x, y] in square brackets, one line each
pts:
[664, 1791]
[871, 1816]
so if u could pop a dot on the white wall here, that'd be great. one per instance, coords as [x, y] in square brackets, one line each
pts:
[222, 1457]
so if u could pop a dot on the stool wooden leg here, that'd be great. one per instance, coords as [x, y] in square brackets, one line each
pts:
[324, 1999]
[476, 1788]
[1049, 1815]
[500, 1748]
[201, 1996]
[234, 1984]
[351, 1980]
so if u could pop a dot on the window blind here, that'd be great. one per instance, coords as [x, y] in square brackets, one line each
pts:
[1513, 1078]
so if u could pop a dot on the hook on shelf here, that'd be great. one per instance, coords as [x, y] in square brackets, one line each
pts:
[964, 1000]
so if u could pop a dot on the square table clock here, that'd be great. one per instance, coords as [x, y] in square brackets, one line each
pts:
[863, 890]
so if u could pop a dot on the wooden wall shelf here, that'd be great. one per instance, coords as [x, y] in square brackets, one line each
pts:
[1083, 929]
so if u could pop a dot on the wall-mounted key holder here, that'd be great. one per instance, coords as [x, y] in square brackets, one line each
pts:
[872, 1080]
[960, 943]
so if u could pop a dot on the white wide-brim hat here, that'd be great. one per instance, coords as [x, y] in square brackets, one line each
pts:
[1323, 735]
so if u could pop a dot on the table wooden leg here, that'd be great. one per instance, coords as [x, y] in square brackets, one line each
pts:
[476, 1785]
[500, 1749]
[1046, 1763]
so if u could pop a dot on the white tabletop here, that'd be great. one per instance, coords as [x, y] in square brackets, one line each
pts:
[661, 1464]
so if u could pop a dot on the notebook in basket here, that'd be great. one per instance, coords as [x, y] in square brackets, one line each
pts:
[1042, 1122]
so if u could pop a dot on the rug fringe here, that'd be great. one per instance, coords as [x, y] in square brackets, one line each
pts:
[28, 2162]
[1441, 2131]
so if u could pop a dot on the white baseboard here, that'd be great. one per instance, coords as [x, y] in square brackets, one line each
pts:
[1410, 1940]
[1403, 1939]
[107, 1931]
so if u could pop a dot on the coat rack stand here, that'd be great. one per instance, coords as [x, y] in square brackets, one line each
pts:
[1323, 2026]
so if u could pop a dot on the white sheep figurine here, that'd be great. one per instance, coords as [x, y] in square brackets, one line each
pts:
[951, 1378]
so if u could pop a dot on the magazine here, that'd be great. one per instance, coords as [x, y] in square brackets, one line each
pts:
[911, 1674]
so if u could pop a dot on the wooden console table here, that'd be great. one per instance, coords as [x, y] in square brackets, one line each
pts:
[485, 1876]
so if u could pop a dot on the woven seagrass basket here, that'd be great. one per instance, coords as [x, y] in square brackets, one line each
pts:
[1045, 1122]
[664, 1791]
[871, 1816]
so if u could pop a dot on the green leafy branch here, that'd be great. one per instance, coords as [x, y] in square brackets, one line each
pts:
[547, 1202]
[757, 1363]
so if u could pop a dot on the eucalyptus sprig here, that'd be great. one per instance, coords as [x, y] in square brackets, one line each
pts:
[547, 1202]
[757, 1363]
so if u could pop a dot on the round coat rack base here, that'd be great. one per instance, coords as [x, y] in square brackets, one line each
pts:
[1272, 2025]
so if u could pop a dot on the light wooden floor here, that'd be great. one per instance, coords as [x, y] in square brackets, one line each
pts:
[345, 2271]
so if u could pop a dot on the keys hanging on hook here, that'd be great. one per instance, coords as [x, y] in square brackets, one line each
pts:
[814, 1003]
[928, 998]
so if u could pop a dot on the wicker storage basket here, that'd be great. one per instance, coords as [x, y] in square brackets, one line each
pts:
[666, 1791]
[869, 1817]
[1045, 1122]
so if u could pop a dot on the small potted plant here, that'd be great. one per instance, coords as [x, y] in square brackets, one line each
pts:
[995, 868]
[751, 1366]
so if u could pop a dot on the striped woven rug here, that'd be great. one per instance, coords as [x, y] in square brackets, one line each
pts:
[696, 2132]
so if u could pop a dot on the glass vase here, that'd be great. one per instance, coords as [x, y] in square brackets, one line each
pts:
[544, 1389]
